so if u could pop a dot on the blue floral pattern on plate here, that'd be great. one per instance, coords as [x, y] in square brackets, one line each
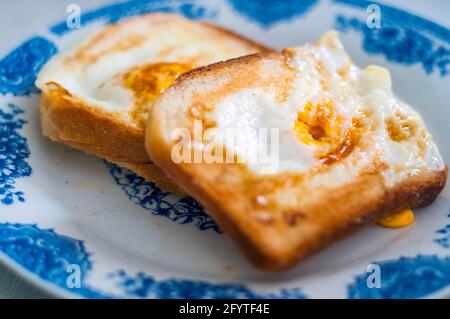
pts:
[406, 277]
[444, 236]
[266, 14]
[18, 69]
[180, 209]
[116, 12]
[401, 40]
[14, 152]
[48, 255]
[144, 286]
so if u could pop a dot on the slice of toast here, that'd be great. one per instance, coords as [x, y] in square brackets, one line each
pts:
[96, 96]
[347, 152]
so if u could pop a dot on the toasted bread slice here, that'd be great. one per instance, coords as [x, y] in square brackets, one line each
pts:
[347, 152]
[96, 97]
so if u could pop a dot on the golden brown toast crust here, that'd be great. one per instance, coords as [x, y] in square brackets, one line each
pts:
[67, 120]
[95, 132]
[272, 235]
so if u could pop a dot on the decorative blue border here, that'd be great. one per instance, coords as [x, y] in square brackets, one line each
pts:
[192, 9]
[180, 209]
[266, 14]
[402, 38]
[18, 70]
[406, 277]
[402, 17]
[144, 286]
[14, 153]
[48, 255]
[444, 236]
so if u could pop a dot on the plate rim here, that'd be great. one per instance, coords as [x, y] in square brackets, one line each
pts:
[56, 291]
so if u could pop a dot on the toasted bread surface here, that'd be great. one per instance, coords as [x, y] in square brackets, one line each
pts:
[281, 218]
[69, 117]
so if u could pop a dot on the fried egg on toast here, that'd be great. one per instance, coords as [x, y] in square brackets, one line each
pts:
[349, 151]
[96, 96]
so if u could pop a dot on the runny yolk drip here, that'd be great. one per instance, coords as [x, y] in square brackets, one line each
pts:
[401, 219]
[147, 82]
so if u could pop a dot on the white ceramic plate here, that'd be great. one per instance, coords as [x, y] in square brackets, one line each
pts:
[64, 213]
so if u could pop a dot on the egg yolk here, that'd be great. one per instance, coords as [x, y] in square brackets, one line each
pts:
[318, 124]
[401, 219]
[147, 82]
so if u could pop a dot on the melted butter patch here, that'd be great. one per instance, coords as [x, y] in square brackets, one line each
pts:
[149, 81]
[401, 219]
